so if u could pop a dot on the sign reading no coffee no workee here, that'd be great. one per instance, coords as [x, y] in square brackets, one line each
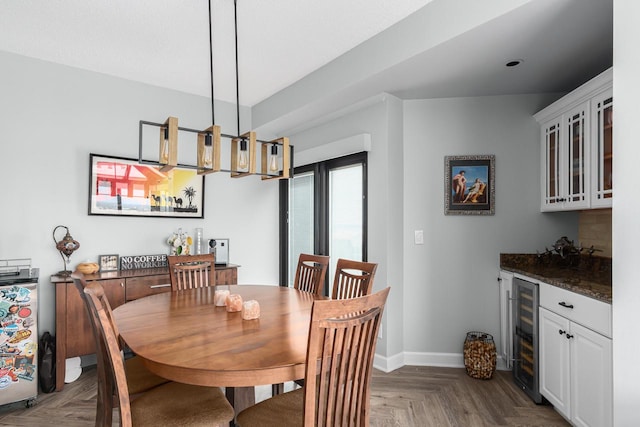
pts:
[135, 262]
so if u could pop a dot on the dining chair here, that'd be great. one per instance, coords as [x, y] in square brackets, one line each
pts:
[191, 271]
[139, 378]
[310, 273]
[353, 278]
[168, 404]
[340, 350]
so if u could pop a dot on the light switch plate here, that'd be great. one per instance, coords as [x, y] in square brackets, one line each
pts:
[419, 237]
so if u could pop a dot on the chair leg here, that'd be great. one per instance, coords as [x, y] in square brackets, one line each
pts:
[104, 406]
[277, 389]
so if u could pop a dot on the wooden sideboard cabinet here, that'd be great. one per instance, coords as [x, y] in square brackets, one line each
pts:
[74, 336]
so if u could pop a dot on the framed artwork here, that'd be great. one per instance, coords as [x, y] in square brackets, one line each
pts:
[120, 186]
[108, 262]
[469, 185]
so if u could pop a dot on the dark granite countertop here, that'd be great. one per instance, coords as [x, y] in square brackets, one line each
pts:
[586, 275]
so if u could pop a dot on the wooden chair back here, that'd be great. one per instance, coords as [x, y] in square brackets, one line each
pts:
[104, 407]
[191, 271]
[79, 281]
[342, 340]
[110, 359]
[310, 273]
[353, 279]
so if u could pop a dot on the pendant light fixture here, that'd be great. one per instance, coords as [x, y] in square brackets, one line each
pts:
[276, 155]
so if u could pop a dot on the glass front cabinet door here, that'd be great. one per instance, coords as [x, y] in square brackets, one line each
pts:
[576, 161]
[602, 150]
[577, 148]
[565, 157]
[551, 165]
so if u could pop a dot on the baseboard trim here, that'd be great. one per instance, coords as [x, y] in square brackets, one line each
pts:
[444, 360]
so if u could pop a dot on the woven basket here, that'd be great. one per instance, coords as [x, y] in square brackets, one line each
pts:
[479, 355]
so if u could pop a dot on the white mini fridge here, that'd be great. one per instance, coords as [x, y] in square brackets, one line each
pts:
[18, 332]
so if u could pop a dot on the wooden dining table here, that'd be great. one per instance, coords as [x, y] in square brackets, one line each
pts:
[184, 337]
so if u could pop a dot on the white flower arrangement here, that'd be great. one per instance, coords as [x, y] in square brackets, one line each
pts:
[180, 243]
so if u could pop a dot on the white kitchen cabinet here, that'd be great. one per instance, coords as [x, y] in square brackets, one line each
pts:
[576, 148]
[576, 361]
[505, 281]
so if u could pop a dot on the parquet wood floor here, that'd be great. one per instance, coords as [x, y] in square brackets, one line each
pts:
[410, 396]
[448, 397]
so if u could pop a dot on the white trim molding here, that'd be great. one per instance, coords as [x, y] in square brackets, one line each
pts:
[391, 363]
[350, 145]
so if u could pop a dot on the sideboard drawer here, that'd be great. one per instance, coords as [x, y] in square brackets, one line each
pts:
[138, 287]
[588, 312]
[226, 276]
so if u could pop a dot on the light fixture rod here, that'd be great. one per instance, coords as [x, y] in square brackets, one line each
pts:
[235, 18]
[213, 112]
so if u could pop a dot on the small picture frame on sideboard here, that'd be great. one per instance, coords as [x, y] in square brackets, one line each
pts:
[108, 262]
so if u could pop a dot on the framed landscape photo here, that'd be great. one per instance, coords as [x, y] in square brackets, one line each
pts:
[469, 185]
[121, 186]
[108, 262]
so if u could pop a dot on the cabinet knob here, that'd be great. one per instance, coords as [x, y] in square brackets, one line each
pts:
[569, 336]
[560, 331]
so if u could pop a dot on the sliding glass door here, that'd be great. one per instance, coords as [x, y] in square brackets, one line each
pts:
[301, 222]
[323, 211]
[346, 209]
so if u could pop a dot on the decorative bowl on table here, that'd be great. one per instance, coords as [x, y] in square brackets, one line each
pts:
[88, 267]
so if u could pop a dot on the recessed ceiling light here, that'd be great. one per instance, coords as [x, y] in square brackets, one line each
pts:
[514, 62]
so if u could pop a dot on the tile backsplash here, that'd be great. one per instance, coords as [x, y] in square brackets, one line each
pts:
[594, 228]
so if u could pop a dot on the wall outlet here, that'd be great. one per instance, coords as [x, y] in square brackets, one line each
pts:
[419, 237]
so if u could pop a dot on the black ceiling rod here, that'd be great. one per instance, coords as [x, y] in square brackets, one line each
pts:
[235, 18]
[213, 113]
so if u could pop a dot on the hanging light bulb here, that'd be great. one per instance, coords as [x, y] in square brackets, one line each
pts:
[243, 160]
[207, 153]
[273, 159]
[164, 149]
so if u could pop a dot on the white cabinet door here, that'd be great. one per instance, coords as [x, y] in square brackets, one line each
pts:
[506, 338]
[565, 154]
[551, 189]
[602, 150]
[575, 158]
[591, 383]
[554, 360]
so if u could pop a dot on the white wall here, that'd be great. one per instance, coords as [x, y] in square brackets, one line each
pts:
[448, 286]
[450, 282]
[52, 117]
[381, 118]
[626, 289]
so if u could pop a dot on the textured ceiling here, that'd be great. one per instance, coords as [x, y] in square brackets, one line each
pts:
[165, 42]
[303, 60]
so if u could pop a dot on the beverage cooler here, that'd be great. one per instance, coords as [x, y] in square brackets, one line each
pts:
[18, 331]
[525, 337]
